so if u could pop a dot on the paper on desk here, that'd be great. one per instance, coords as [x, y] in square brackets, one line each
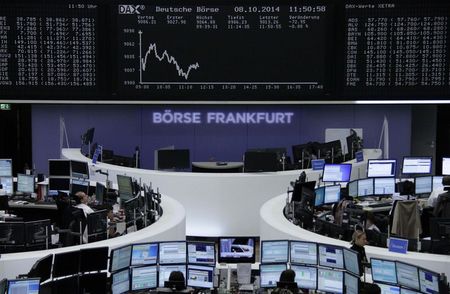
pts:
[244, 271]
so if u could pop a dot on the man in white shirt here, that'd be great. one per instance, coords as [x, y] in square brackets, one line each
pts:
[82, 199]
[432, 200]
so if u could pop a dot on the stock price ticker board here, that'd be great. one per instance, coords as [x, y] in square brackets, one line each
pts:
[223, 51]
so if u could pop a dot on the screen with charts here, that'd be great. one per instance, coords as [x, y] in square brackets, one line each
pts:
[144, 254]
[446, 166]
[274, 251]
[7, 183]
[331, 256]
[336, 172]
[423, 185]
[121, 258]
[417, 165]
[384, 186]
[270, 274]
[429, 281]
[303, 252]
[381, 168]
[330, 281]
[332, 194]
[407, 275]
[200, 276]
[383, 271]
[351, 261]
[351, 283]
[201, 253]
[6, 168]
[25, 286]
[365, 187]
[172, 252]
[144, 277]
[165, 270]
[120, 282]
[305, 276]
[25, 183]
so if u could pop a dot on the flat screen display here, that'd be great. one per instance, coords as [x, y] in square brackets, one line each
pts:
[319, 196]
[200, 276]
[303, 252]
[165, 270]
[336, 172]
[121, 258]
[7, 184]
[383, 271]
[365, 187]
[423, 185]
[120, 282]
[125, 185]
[144, 254]
[270, 274]
[143, 278]
[437, 182]
[79, 169]
[384, 186]
[353, 188]
[237, 250]
[6, 168]
[172, 252]
[351, 261]
[58, 167]
[407, 275]
[331, 256]
[417, 165]
[305, 276]
[381, 168]
[274, 251]
[446, 166]
[79, 184]
[25, 183]
[201, 253]
[174, 159]
[59, 184]
[332, 194]
[389, 289]
[25, 286]
[330, 281]
[429, 281]
[351, 283]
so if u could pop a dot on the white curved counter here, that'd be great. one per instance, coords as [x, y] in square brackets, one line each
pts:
[171, 226]
[217, 204]
[274, 226]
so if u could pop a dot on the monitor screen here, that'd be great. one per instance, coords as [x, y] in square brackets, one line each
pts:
[381, 168]
[274, 251]
[66, 264]
[320, 195]
[389, 289]
[407, 275]
[331, 256]
[237, 250]
[351, 261]
[143, 278]
[59, 184]
[79, 185]
[423, 185]
[437, 182]
[445, 166]
[365, 187]
[305, 276]
[429, 281]
[144, 254]
[351, 283]
[200, 276]
[303, 252]
[120, 282]
[6, 168]
[94, 259]
[201, 253]
[352, 188]
[100, 192]
[330, 281]
[165, 270]
[408, 291]
[172, 252]
[120, 258]
[174, 159]
[261, 161]
[79, 169]
[7, 184]
[417, 165]
[270, 274]
[336, 172]
[25, 183]
[332, 194]
[302, 188]
[3, 286]
[23, 286]
[41, 269]
[384, 186]
[58, 167]
[383, 271]
[125, 185]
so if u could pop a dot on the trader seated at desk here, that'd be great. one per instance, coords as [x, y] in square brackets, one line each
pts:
[82, 201]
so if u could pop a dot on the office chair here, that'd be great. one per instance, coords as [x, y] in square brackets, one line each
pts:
[97, 225]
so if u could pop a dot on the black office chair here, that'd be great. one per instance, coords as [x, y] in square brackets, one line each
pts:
[73, 235]
[97, 225]
[38, 235]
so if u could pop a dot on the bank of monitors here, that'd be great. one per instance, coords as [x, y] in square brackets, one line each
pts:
[423, 185]
[275, 251]
[125, 185]
[330, 281]
[351, 283]
[59, 168]
[165, 270]
[331, 256]
[417, 165]
[384, 186]
[429, 281]
[407, 275]
[336, 172]
[305, 276]
[25, 183]
[303, 252]
[379, 168]
[332, 194]
[270, 274]
[201, 253]
[237, 249]
[144, 254]
[23, 286]
[6, 168]
[351, 261]
[79, 169]
[7, 184]
[200, 276]
[144, 278]
[120, 258]
[120, 282]
[172, 252]
[383, 271]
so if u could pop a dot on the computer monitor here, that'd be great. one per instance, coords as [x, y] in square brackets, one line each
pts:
[125, 185]
[337, 172]
[3, 286]
[6, 167]
[200, 276]
[303, 252]
[437, 182]
[79, 185]
[384, 186]
[319, 197]
[79, 169]
[173, 159]
[332, 194]
[59, 184]
[407, 275]
[276, 251]
[59, 167]
[351, 261]
[120, 258]
[330, 281]
[429, 281]
[94, 259]
[417, 165]
[381, 168]
[165, 270]
[172, 252]
[300, 189]
[144, 254]
[351, 283]
[41, 269]
[237, 249]
[423, 185]
[352, 188]
[120, 282]
[389, 289]
[305, 276]
[66, 264]
[7, 183]
[365, 187]
[383, 271]
[270, 274]
[88, 137]
[201, 253]
[23, 286]
[143, 278]
[408, 291]
[100, 193]
[446, 166]
[25, 183]
[331, 256]
[259, 161]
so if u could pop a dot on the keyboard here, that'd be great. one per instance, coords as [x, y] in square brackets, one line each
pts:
[380, 204]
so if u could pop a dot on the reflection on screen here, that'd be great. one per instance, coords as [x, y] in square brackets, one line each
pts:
[353, 189]
[144, 254]
[351, 261]
[270, 274]
[389, 289]
[7, 183]
[381, 168]
[200, 276]
[365, 187]
[274, 251]
[172, 252]
[330, 281]
[332, 194]
[201, 253]
[407, 275]
[384, 186]
[336, 172]
[383, 271]
[303, 252]
[423, 185]
[165, 270]
[26, 286]
[351, 284]
[143, 277]
[437, 182]
[120, 282]
[320, 195]
[416, 165]
[6, 168]
[121, 258]
[305, 276]
[331, 256]
[429, 281]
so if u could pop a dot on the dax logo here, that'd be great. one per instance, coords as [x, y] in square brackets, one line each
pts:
[131, 9]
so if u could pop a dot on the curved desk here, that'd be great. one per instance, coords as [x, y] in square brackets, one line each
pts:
[275, 226]
[171, 226]
[217, 204]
